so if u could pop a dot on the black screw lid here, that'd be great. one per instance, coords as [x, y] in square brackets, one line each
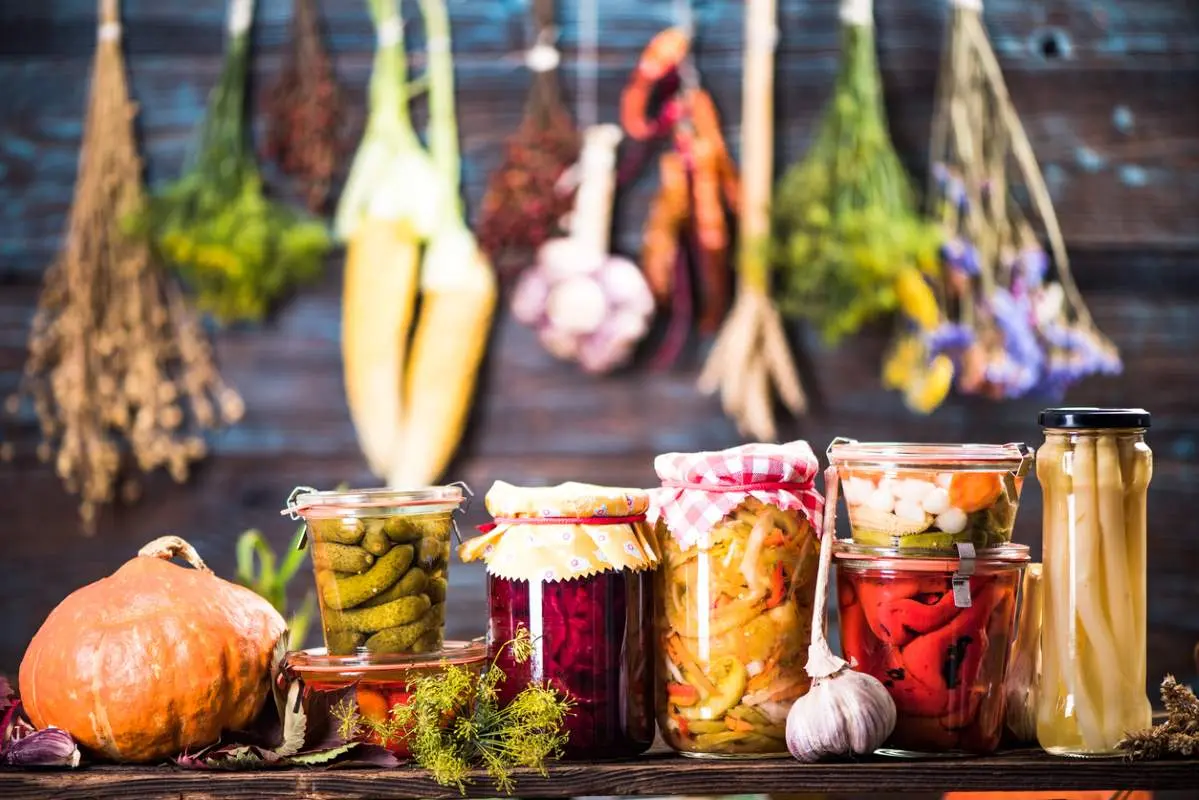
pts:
[1083, 418]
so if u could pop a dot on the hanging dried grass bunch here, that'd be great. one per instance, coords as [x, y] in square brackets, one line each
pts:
[1012, 328]
[118, 365]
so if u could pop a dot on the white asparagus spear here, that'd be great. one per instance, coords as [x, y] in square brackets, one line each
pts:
[1136, 463]
[1117, 594]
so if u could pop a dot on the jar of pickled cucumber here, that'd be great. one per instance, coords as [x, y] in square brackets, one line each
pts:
[1094, 469]
[573, 566]
[380, 558]
[739, 534]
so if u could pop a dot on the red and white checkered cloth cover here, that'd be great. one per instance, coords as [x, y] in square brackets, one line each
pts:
[690, 513]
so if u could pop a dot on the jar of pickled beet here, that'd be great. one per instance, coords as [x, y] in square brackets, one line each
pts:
[380, 558]
[739, 534]
[573, 565]
[926, 499]
[369, 685]
[938, 633]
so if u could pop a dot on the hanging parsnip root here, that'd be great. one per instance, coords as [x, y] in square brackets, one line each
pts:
[378, 297]
[457, 305]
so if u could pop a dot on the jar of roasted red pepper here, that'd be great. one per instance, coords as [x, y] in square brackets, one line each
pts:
[573, 565]
[937, 632]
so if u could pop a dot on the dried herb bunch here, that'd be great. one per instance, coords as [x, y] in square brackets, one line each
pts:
[118, 367]
[306, 132]
[1177, 736]
[847, 229]
[527, 196]
[453, 722]
[1011, 330]
[240, 250]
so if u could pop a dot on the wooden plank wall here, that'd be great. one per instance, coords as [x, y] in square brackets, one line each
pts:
[1108, 91]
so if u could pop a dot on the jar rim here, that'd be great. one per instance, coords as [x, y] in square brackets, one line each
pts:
[849, 452]
[305, 501]
[993, 559]
[1094, 418]
[317, 662]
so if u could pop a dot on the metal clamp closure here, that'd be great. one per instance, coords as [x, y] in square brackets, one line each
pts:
[961, 576]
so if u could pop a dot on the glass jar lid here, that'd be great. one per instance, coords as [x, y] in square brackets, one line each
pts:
[993, 559]
[317, 666]
[1012, 457]
[1083, 418]
[310, 503]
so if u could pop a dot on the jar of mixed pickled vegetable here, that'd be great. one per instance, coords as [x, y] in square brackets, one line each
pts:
[380, 558]
[1094, 469]
[937, 632]
[926, 499]
[739, 533]
[371, 686]
[573, 564]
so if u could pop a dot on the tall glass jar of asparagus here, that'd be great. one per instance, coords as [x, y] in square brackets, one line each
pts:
[1094, 469]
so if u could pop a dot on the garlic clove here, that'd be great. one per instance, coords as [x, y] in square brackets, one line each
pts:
[48, 747]
[558, 343]
[529, 297]
[576, 305]
[626, 286]
[566, 258]
[847, 713]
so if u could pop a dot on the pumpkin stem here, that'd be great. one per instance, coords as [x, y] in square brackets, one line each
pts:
[168, 547]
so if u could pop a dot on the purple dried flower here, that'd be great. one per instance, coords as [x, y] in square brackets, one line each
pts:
[961, 255]
[940, 174]
[956, 192]
[1033, 265]
[948, 337]
[1014, 318]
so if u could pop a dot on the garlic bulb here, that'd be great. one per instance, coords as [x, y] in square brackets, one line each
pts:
[586, 305]
[1024, 662]
[845, 712]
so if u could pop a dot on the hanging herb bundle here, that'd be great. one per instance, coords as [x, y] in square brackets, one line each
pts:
[1012, 330]
[1177, 736]
[240, 250]
[118, 369]
[698, 187]
[454, 722]
[751, 356]
[849, 243]
[305, 128]
[526, 197]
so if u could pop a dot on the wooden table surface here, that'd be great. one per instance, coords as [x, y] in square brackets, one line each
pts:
[657, 774]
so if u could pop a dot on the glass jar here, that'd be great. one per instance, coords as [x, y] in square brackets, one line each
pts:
[573, 565]
[374, 685]
[937, 632]
[1024, 666]
[380, 558]
[1094, 469]
[740, 553]
[926, 499]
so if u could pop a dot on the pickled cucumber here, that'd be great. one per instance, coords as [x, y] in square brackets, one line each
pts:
[344, 558]
[352, 591]
[428, 643]
[399, 639]
[343, 642]
[436, 589]
[340, 530]
[372, 620]
[375, 541]
[936, 541]
[433, 551]
[413, 582]
[405, 529]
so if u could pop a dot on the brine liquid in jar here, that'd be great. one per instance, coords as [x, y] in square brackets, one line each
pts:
[734, 597]
[1094, 469]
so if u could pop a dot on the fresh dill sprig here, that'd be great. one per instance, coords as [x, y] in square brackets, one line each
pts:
[454, 722]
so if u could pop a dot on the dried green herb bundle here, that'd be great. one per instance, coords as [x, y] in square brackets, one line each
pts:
[846, 225]
[1177, 736]
[306, 129]
[240, 250]
[119, 369]
[454, 722]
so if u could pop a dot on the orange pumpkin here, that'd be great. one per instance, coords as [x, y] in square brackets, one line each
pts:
[152, 660]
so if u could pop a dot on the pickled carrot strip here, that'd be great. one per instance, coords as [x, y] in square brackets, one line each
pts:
[683, 694]
[734, 724]
[775, 539]
[681, 656]
[777, 587]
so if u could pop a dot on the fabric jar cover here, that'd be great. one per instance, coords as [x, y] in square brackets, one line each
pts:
[700, 489]
[528, 542]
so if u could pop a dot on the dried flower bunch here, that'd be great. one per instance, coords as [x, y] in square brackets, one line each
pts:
[306, 133]
[1010, 329]
[527, 195]
[453, 722]
[118, 365]
[1177, 736]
